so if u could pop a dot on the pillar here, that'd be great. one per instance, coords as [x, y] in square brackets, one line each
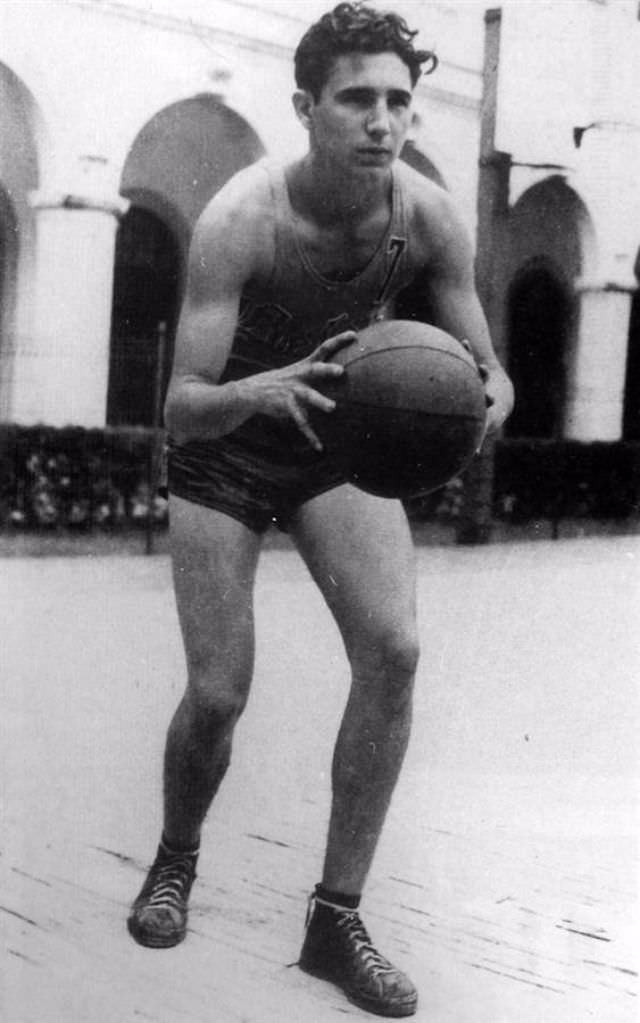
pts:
[62, 368]
[607, 177]
[596, 382]
[476, 515]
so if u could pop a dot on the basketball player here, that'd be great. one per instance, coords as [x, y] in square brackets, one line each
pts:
[286, 263]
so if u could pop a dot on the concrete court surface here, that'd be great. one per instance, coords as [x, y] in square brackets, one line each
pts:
[506, 882]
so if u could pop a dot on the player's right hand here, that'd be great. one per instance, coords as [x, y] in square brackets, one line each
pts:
[290, 392]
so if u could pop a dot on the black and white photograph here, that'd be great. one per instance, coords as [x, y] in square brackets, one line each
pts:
[319, 511]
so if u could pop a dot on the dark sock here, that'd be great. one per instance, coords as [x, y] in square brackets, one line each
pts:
[340, 899]
[174, 847]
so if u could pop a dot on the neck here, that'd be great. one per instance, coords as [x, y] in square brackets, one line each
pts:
[334, 196]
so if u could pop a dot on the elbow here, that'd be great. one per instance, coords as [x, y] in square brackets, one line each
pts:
[174, 417]
[169, 411]
[189, 409]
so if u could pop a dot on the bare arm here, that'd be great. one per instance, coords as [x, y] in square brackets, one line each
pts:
[196, 406]
[231, 243]
[450, 282]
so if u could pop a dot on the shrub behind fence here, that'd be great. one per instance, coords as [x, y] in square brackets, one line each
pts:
[77, 478]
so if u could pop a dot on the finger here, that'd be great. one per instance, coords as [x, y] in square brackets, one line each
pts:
[324, 370]
[486, 431]
[334, 344]
[315, 398]
[493, 423]
[305, 427]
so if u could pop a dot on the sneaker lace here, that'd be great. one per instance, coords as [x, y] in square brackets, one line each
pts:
[170, 882]
[361, 946]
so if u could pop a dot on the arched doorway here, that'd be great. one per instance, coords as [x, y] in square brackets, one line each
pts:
[145, 296]
[178, 160]
[183, 156]
[631, 422]
[540, 312]
[551, 246]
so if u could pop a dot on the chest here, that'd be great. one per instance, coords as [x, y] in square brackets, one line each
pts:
[343, 250]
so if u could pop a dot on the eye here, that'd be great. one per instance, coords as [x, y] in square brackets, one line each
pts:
[358, 98]
[399, 100]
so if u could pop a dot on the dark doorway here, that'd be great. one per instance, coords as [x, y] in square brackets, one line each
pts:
[539, 319]
[145, 295]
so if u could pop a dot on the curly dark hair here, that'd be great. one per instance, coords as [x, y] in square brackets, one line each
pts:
[356, 28]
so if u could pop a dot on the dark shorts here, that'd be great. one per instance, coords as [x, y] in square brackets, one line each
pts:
[258, 475]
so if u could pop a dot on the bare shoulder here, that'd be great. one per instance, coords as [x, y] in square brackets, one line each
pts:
[435, 221]
[236, 228]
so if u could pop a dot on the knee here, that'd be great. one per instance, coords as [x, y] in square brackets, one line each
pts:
[397, 653]
[218, 680]
[215, 706]
[391, 657]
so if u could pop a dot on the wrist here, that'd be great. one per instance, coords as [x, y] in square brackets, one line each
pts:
[243, 396]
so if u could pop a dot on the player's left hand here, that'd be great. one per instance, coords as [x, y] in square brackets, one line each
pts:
[499, 395]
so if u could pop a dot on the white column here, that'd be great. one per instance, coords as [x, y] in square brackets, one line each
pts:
[595, 400]
[62, 368]
[607, 180]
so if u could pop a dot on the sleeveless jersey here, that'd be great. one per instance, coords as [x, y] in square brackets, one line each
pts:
[286, 317]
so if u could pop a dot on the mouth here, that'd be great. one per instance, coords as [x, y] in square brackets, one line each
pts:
[374, 151]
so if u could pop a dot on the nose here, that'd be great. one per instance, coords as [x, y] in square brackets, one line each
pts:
[378, 123]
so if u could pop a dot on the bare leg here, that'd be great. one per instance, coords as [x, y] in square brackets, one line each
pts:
[214, 562]
[359, 551]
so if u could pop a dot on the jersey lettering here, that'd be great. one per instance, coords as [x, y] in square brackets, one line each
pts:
[264, 323]
[395, 250]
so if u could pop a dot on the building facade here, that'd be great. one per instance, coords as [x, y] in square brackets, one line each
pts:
[119, 121]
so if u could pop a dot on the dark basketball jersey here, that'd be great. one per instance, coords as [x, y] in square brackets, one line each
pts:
[286, 317]
[283, 319]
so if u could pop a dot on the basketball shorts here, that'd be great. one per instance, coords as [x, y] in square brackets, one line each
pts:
[259, 474]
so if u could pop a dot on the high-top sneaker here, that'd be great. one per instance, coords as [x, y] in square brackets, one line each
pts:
[158, 917]
[338, 948]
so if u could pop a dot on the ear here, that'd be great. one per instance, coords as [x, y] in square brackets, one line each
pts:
[303, 104]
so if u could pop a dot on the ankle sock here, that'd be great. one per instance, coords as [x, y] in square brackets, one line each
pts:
[174, 847]
[335, 899]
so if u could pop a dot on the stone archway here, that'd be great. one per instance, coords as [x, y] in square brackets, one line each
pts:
[177, 162]
[184, 155]
[551, 249]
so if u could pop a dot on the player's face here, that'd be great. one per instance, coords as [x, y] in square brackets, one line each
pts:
[363, 114]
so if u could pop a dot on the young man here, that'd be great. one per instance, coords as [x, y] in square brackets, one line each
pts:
[286, 263]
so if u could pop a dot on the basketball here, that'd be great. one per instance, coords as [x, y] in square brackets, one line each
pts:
[410, 409]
